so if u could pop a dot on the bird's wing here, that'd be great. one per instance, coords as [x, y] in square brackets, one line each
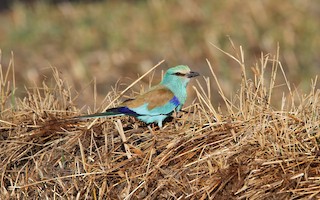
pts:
[159, 100]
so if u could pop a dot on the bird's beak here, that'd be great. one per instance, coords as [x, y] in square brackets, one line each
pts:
[192, 74]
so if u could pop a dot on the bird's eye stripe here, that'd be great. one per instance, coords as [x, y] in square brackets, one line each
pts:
[179, 74]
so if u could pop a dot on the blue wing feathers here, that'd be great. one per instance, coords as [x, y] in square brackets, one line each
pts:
[122, 110]
[175, 101]
[141, 111]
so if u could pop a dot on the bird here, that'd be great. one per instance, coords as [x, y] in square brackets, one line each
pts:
[158, 103]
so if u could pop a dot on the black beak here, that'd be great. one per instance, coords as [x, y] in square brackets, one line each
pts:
[192, 74]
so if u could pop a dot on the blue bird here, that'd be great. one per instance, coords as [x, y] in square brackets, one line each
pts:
[157, 104]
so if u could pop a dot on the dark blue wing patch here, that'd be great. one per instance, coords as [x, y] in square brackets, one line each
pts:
[175, 101]
[123, 110]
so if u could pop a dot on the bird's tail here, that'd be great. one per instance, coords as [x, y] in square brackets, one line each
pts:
[119, 111]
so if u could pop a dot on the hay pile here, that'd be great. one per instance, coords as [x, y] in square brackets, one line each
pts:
[251, 150]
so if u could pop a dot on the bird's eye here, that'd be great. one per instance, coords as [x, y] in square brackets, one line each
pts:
[179, 74]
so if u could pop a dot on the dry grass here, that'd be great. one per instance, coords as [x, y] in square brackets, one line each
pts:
[251, 149]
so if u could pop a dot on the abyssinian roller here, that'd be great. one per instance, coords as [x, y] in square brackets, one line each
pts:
[157, 104]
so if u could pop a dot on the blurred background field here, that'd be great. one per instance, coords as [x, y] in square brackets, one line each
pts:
[110, 41]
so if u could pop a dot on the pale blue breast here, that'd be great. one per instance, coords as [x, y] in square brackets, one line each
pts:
[157, 114]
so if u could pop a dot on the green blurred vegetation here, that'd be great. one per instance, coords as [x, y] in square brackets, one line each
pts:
[112, 39]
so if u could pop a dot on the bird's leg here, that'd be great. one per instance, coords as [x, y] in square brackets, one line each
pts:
[168, 119]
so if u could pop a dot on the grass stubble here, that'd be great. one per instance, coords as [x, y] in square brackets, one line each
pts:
[249, 147]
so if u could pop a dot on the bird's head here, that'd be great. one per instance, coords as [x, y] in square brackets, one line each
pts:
[178, 76]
